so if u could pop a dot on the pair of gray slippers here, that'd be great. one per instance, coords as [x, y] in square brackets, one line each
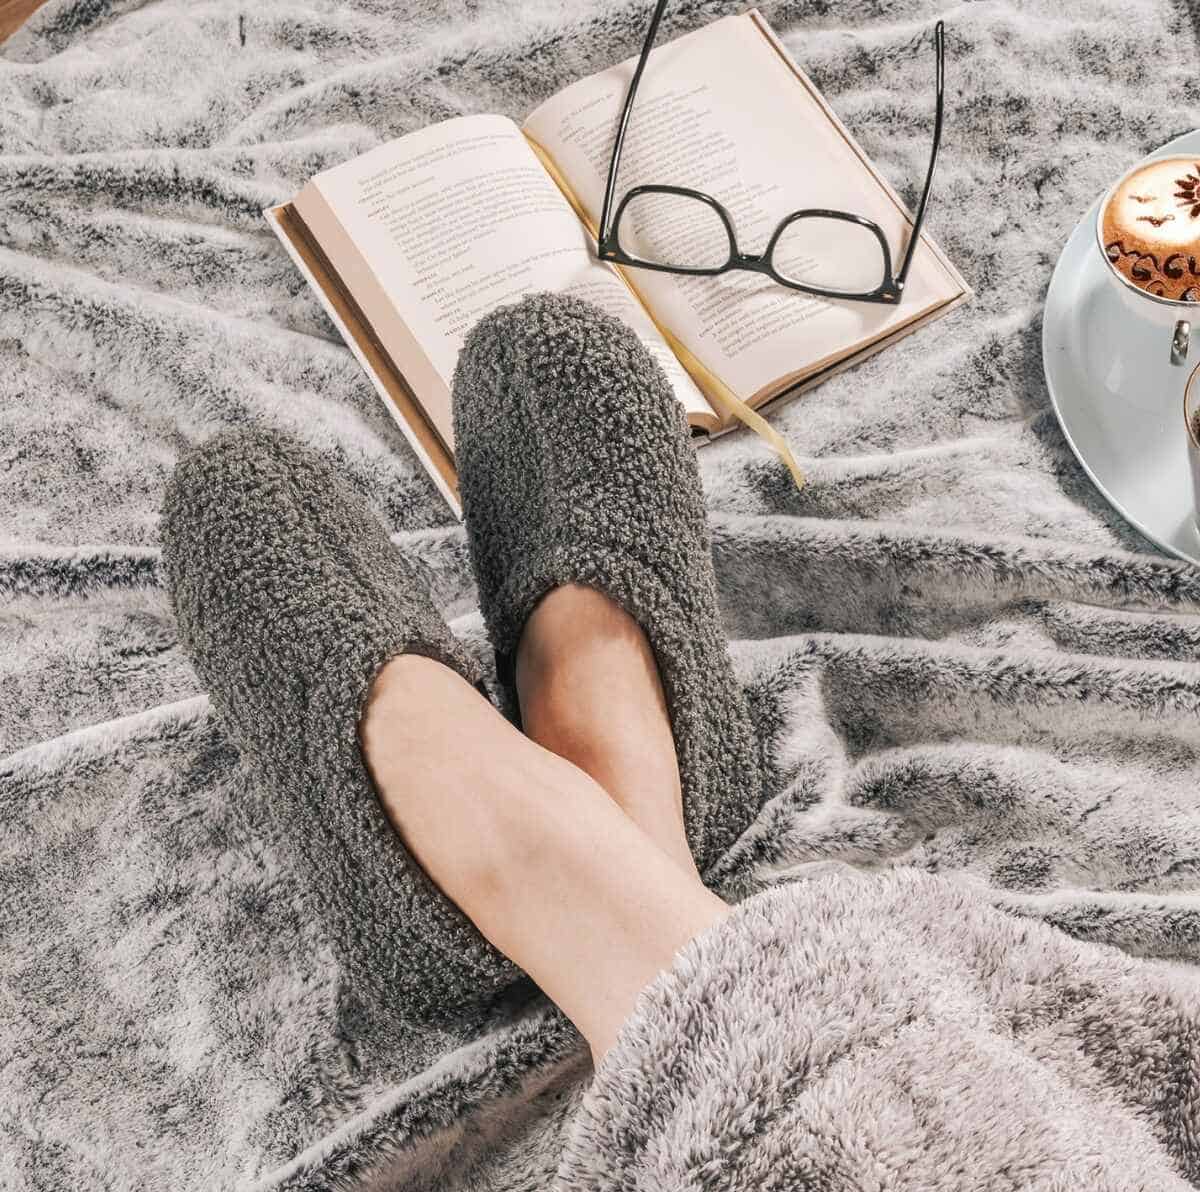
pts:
[575, 466]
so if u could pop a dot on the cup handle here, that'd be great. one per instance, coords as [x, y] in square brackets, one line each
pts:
[1181, 341]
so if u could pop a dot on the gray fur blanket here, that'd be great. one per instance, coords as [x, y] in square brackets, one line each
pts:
[959, 661]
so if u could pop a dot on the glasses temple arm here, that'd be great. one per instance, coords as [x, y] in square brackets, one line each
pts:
[939, 38]
[623, 123]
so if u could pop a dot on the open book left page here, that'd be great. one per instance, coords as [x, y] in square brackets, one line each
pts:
[432, 231]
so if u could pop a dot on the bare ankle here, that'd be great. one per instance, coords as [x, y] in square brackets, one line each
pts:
[530, 848]
[571, 625]
[436, 794]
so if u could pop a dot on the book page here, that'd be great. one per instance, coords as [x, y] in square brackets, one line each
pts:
[720, 110]
[434, 230]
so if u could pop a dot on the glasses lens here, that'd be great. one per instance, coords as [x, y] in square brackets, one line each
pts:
[832, 254]
[675, 230]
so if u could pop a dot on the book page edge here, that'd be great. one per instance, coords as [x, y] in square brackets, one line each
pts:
[447, 487]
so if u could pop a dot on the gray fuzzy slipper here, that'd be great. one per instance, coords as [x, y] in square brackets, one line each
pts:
[289, 599]
[576, 466]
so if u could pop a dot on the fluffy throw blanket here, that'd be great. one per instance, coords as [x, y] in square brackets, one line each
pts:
[959, 660]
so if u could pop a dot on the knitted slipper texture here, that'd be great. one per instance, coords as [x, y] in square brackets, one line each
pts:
[576, 466]
[289, 599]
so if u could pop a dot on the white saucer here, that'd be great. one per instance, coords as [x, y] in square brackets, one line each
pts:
[1136, 455]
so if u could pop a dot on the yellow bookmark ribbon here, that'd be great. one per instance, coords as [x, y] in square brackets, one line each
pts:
[765, 431]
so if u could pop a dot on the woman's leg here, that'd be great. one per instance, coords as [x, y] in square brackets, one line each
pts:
[531, 848]
[579, 479]
[590, 691]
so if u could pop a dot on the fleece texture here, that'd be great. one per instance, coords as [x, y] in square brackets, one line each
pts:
[289, 600]
[893, 1033]
[576, 466]
[956, 658]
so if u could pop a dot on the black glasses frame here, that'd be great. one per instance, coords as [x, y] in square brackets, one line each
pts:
[888, 292]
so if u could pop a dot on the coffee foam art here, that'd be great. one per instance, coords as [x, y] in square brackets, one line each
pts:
[1151, 228]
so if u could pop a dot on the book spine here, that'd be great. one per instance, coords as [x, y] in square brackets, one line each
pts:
[348, 339]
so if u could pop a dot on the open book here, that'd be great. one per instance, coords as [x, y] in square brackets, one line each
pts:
[411, 243]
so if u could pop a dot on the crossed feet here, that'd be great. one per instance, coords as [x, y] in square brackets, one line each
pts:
[565, 843]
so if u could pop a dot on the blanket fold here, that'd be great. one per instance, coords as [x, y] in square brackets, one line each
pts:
[895, 1034]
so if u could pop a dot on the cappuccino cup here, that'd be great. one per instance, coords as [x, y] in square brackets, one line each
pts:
[1148, 232]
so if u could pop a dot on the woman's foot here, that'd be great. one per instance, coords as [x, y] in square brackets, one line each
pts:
[552, 872]
[577, 474]
[459, 838]
[289, 598]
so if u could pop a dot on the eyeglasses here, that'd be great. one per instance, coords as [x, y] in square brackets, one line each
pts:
[680, 230]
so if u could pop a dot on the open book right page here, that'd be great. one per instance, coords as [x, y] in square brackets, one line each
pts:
[721, 110]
